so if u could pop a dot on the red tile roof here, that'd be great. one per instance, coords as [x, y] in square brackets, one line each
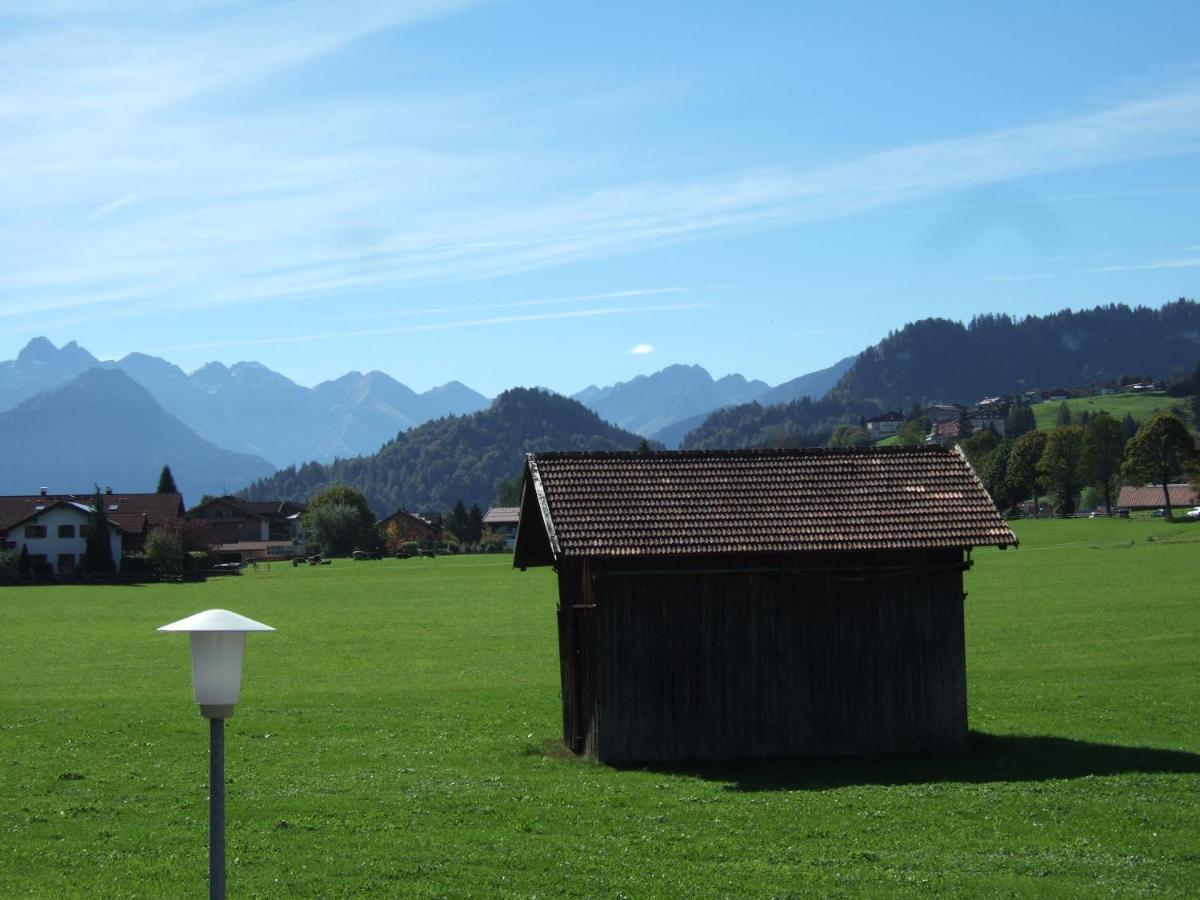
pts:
[502, 515]
[1151, 497]
[704, 502]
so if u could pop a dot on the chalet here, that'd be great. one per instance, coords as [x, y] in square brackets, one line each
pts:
[758, 603]
[1136, 497]
[134, 515]
[252, 529]
[54, 535]
[403, 525]
[884, 425]
[502, 522]
[944, 412]
[984, 419]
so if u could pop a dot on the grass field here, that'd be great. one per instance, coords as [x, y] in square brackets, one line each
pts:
[399, 735]
[1140, 406]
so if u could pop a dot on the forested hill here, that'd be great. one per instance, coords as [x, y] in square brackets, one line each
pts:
[460, 457]
[939, 360]
[936, 360]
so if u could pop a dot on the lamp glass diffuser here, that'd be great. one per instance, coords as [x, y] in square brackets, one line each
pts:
[217, 666]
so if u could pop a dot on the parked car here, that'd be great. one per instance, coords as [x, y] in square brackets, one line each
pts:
[1160, 513]
[1193, 513]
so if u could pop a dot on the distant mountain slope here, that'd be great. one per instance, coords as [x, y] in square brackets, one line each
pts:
[251, 409]
[39, 367]
[650, 403]
[103, 428]
[814, 385]
[464, 457]
[941, 360]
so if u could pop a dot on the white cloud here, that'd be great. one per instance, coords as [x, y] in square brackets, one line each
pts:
[641, 349]
[110, 208]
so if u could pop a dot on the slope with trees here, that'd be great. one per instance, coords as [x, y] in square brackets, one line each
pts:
[457, 458]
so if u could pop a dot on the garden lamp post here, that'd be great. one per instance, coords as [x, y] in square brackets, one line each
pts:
[218, 639]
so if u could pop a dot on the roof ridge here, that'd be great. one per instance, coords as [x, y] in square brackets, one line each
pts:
[749, 453]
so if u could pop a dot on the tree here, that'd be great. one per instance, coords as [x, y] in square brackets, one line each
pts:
[476, 524]
[1021, 479]
[1019, 420]
[911, 433]
[97, 553]
[340, 520]
[164, 553]
[849, 436]
[166, 482]
[979, 446]
[1063, 416]
[1060, 469]
[1128, 426]
[994, 475]
[1161, 449]
[1103, 452]
[458, 521]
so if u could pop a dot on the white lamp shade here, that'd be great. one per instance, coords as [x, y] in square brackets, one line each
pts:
[217, 666]
[218, 639]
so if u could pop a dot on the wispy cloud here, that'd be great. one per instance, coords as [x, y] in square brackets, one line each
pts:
[1186, 263]
[110, 208]
[452, 325]
[641, 349]
[239, 205]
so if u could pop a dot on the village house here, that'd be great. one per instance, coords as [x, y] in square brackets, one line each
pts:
[248, 530]
[884, 425]
[502, 522]
[53, 526]
[1138, 497]
[718, 605]
[403, 525]
[54, 535]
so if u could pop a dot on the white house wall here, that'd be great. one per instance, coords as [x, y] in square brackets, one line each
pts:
[51, 546]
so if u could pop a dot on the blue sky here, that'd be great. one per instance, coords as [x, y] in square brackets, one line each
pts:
[529, 192]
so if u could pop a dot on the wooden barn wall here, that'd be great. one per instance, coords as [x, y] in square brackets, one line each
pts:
[834, 655]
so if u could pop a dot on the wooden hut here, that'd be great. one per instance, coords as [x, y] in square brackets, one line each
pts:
[717, 605]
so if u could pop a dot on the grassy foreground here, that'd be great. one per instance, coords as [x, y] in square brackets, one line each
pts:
[399, 735]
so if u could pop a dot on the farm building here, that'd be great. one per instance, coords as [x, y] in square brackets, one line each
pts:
[717, 605]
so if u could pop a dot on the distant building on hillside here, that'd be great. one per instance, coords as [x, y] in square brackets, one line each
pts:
[884, 425]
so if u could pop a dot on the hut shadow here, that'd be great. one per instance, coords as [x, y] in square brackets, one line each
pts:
[991, 758]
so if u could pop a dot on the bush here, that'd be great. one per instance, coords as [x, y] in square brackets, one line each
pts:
[164, 553]
[134, 564]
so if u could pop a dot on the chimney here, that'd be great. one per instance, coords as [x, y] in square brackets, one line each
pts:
[45, 490]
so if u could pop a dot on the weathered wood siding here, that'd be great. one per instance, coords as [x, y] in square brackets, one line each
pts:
[730, 657]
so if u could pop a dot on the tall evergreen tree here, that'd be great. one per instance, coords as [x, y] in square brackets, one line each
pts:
[97, 553]
[1019, 421]
[1128, 426]
[166, 482]
[475, 520]
[1063, 417]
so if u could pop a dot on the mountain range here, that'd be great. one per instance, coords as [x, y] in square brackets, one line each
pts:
[61, 422]
[102, 428]
[249, 408]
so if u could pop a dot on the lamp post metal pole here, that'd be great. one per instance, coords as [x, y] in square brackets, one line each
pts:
[216, 809]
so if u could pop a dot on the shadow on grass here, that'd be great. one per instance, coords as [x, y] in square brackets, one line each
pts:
[991, 758]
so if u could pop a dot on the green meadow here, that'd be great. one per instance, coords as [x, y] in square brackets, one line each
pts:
[1140, 406]
[399, 735]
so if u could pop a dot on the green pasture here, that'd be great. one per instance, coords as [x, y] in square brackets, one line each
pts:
[398, 735]
[1140, 406]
